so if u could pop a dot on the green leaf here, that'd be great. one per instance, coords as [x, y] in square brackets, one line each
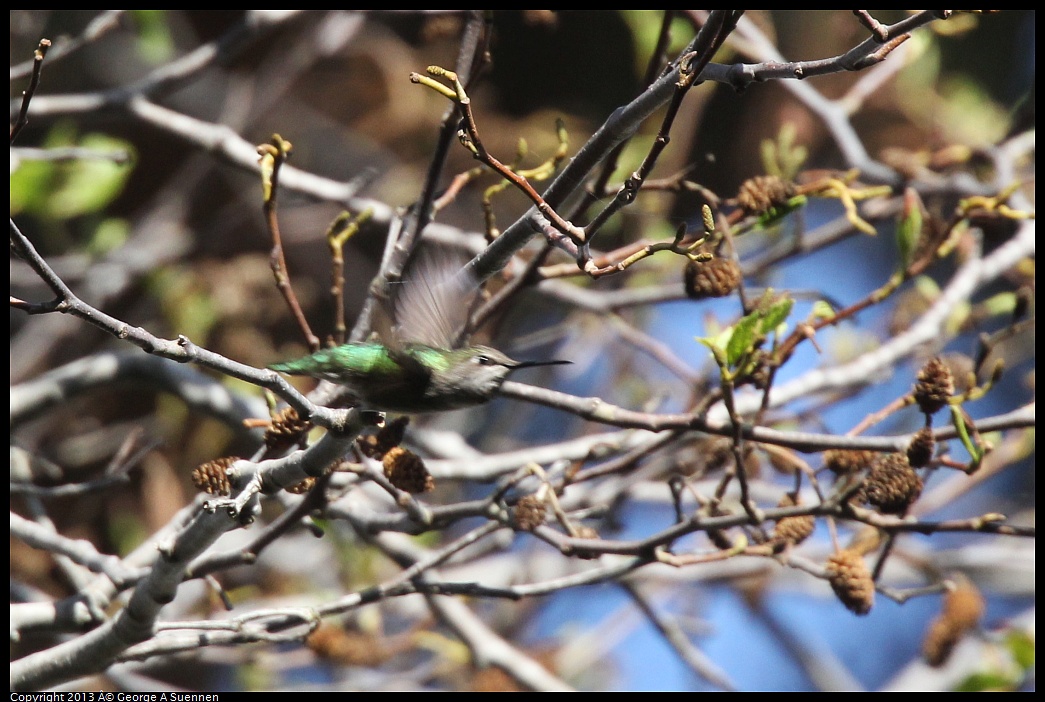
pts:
[743, 338]
[185, 302]
[782, 157]
[985, 682]
[1021, 646]
[909, 228]
[927, 287]
[108, 236]
[92, 184]
[822, 310]
[999, 672]
[774, 214]
[1002, 303]
[734, 345]
[155, 43]
[64, 189]
[645, 30]
[958, 317]
[30, 186]
[777, 313]
[126, 531]
[717, 346]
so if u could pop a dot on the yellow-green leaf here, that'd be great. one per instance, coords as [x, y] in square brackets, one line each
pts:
[743, 338]
[822, 310]
[777, 313]
[155, 43]
[909, 228]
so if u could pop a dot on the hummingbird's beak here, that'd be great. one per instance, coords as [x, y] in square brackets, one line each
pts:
[531, 364]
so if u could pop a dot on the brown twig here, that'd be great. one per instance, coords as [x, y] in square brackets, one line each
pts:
[878, 31]
[712, 36]
[710, 39]
[34, 82]
[540, 172]
[473, 56]
[97, 28]
[273, 155]
[598, 189]
[469, 136]
[928, 254]
[341, 229]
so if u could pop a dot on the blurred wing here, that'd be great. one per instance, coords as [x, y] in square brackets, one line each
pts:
[389, 337]
[433, 303]
[383, 324]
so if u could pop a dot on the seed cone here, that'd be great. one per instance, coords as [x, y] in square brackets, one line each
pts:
[893, 485]
[286, 429]
[211, 477]
[962, 610]
[793, 530]
[846, 461]
[934, 387]
[851, 581]
[715, 278]
[920, 450]
[405, 470]
[529, 512]
[762, 193]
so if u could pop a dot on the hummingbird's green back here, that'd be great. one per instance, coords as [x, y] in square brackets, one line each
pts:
[416, 378]
[343, 363]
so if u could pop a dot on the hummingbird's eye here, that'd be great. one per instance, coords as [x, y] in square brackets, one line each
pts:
[483, 360]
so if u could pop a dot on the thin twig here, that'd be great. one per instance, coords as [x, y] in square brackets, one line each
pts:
[273, 155]
[34, 83]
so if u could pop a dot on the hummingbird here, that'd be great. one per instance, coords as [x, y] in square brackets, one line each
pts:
[416, 364]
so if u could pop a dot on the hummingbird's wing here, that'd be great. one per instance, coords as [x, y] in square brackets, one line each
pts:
[433, 303]
[414, 372]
